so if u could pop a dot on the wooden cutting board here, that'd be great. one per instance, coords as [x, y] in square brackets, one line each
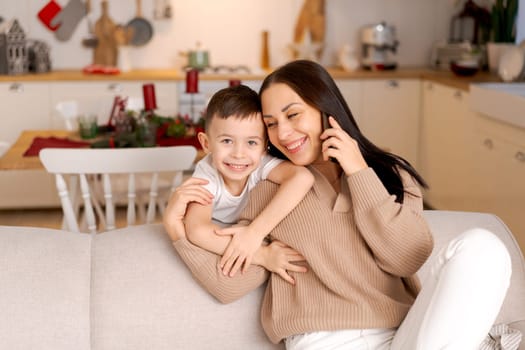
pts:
[106, 52]
[311, 19]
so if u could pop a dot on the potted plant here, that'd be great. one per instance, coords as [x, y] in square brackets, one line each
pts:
[504, 21]
[503, 30]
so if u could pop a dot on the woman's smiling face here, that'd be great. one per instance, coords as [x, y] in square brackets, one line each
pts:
[293, 126]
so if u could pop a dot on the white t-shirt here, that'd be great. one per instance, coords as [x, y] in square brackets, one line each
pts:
[226, 207]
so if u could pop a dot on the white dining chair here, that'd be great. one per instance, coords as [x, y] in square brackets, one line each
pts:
[4, 146]
[95, 169]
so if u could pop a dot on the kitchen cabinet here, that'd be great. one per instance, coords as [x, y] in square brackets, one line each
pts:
[25, 105]
[97, 97]
[352, 91]
[446, 147]
[499, 165]
[390, 115]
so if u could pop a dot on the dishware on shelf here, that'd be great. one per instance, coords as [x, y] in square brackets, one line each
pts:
[511, 64]
[464, 68]
[87, 126]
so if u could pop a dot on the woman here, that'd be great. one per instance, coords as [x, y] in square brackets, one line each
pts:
[362, 234]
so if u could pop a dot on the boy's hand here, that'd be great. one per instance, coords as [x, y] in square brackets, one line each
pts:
[240, 251]
[189, 191]
[279, 258]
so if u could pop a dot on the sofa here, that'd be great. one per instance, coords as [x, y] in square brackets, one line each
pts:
[128, 289]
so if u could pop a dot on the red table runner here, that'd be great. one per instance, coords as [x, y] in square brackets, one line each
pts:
[52, 142]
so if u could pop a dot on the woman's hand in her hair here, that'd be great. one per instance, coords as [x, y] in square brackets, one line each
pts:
[339, 145]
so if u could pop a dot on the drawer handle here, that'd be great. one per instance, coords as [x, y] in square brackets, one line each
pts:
[115, 87]
[393, 84]
[16, 88]
[458, 94]
[520, 156]
[488, 143]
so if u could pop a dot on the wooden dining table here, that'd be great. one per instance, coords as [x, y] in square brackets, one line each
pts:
[14, 158]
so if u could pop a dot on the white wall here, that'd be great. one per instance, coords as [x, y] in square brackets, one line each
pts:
[231, 29]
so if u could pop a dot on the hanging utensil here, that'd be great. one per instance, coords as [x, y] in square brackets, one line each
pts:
[91, 40]
[68, 19]
[48, 12]
[142, 28]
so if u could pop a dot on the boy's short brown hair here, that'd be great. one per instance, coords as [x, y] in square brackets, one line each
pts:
[239, 101]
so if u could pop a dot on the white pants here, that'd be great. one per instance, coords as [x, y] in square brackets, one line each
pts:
[456, 307]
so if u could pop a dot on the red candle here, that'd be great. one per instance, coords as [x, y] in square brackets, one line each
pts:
[150, 102]
[192, 81]
[235, 82]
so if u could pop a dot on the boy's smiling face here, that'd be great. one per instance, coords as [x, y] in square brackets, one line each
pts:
[236, 146]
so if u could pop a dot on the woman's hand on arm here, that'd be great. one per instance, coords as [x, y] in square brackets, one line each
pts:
[189, 191]
[279, 258]
[341, 146]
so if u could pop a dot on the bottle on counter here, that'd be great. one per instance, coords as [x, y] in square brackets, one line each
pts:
[265, 51]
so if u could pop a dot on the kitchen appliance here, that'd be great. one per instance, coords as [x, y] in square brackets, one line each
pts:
[444, 53]
[197, 58]
[471, 24]
[379, 46]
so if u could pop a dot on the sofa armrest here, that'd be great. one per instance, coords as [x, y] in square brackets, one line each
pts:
[447, 224]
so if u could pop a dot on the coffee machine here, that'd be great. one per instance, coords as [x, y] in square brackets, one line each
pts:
[379, 45]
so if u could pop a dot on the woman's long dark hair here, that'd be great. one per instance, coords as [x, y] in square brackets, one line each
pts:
[317, 88]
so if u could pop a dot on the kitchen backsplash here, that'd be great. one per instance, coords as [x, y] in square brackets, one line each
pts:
[231, 29]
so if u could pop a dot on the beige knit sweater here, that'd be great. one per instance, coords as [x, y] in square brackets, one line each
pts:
[362, 250]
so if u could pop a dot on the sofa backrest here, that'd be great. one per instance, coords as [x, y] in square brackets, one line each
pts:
[144, 297]
[45, 278]
[128, 289]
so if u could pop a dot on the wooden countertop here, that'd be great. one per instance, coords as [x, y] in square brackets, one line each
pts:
[443, 77]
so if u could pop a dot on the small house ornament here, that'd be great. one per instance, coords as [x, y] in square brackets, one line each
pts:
[38, 56]
[13, 51]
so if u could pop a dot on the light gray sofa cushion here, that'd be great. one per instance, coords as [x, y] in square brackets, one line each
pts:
[144, 297]
[44, 289]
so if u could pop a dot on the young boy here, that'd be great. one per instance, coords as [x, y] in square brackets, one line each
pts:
[235, 142]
